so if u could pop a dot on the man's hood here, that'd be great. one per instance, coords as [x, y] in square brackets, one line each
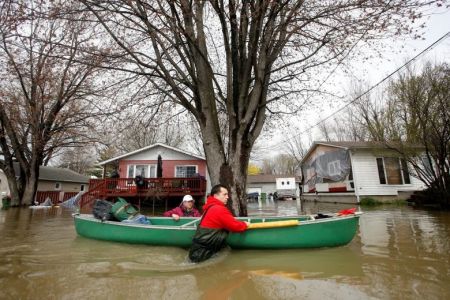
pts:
[212, 201]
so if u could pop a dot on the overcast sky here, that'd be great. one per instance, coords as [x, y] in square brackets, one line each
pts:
[394, 53]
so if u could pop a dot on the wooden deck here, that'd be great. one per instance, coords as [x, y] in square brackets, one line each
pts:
[151, 187]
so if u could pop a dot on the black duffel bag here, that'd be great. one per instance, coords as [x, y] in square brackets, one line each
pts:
[103, 210]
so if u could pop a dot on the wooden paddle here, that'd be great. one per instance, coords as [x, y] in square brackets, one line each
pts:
[273, 224]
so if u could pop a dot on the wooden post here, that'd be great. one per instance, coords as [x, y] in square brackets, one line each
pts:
[153, 199]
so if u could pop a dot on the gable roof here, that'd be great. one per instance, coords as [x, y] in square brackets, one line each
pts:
[357, 145]
[61, 174]
[147, 148]
[56, 174]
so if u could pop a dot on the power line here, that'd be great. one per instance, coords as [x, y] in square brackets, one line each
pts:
[368, 91]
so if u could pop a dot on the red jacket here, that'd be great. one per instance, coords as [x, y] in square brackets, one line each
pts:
[182, 212]
[219, 217]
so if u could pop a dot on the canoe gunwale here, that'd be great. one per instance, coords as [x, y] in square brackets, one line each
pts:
[91, 218]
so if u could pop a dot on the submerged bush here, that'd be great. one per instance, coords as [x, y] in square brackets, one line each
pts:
[368, 201]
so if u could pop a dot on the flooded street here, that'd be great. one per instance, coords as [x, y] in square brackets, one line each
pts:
[398, 253]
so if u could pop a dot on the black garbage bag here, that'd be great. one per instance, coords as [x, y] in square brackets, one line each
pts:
[206, 243]
[103, 210]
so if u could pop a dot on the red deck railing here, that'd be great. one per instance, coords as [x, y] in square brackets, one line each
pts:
[151, 187]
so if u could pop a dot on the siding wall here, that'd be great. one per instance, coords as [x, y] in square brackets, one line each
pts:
[45, 185]
[170, 159]
[265, 187]
[365, 173]
[167, 165]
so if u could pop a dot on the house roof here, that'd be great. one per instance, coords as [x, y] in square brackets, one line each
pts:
[56, 174]
[146, 148]
[61, 174]
[268, 178]
[357, 145]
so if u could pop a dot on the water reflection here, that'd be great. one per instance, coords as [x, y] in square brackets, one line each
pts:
[292, 207]
[398, 253]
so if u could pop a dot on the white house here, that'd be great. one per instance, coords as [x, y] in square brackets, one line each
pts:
[349, 171]
[269, 184]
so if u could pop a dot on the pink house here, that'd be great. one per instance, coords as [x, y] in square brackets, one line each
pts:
[136, 176]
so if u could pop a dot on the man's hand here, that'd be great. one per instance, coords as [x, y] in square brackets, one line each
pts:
[248, 223]
[175, 217]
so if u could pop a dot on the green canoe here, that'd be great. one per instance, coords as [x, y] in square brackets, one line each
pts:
[310, 233]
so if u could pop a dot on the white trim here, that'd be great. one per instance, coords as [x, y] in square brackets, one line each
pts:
[355, 183]
[149, 147]
[385, 173]
[175, 171]
[58, 188]
[148, 175]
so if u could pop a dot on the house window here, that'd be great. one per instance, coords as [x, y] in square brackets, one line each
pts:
[334, 168]
[381, 174]
[57, 186]
[185, 171]
[82, 187]
[392, 170]
[147, 171]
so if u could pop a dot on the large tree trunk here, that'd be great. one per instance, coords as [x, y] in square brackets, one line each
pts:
[238, 183]
[30, 188]
[232, 174]
[14, 188]
[229, 170]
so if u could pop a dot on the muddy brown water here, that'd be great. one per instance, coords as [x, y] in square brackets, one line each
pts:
[398, 253]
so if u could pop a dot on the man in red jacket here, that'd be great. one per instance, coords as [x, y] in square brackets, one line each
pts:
[213, 229]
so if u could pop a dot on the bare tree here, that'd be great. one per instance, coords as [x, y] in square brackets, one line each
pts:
[268, 166]
[136, 133]
[235, 64]
[419, 107]
[413, 119]
[281, 164]
[45, 90]
[343, 127]
[78, 159]
[286, 164]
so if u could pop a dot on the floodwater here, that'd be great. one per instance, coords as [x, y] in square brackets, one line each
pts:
[398, 253]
